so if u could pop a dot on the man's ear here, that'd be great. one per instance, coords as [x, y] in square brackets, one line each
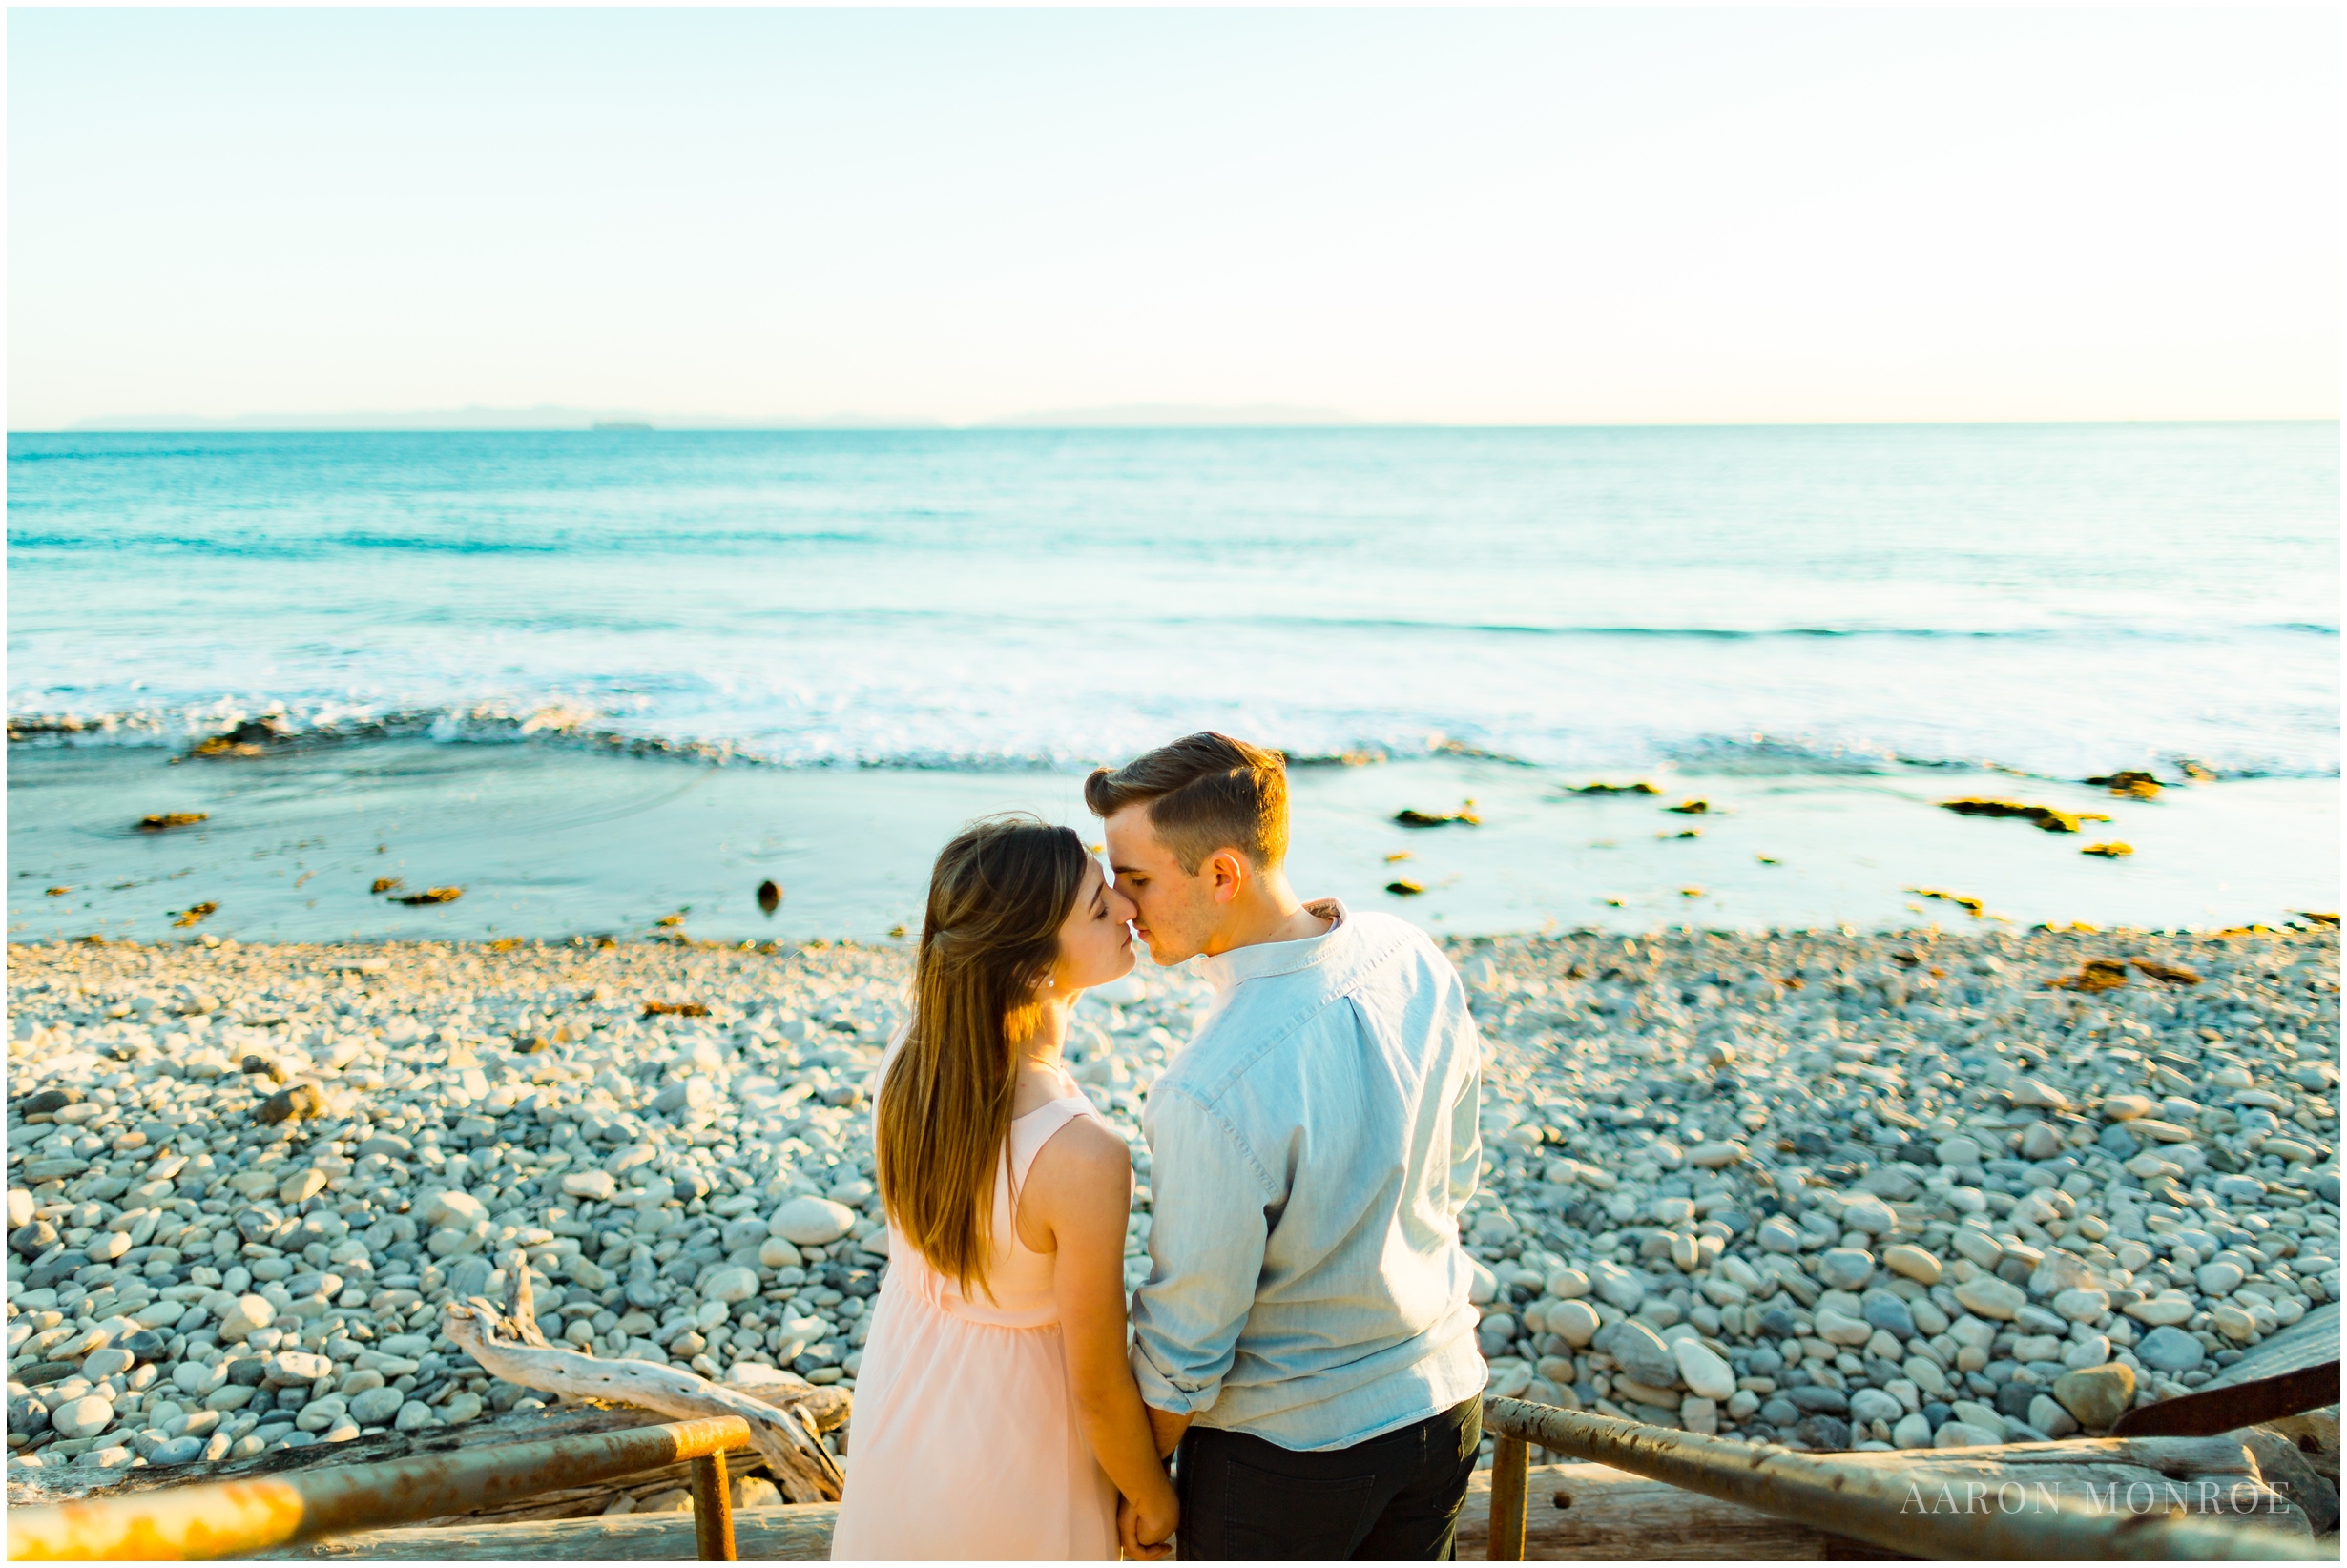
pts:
[1229, 870]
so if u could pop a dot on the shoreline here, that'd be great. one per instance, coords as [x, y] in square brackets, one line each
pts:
[1827, 1190]
[551, 843]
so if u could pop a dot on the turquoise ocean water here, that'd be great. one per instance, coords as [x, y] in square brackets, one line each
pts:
[2058, 600]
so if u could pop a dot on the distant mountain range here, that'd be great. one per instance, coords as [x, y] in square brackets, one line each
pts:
[554, 417]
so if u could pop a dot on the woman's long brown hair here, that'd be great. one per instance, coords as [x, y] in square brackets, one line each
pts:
[997, 899]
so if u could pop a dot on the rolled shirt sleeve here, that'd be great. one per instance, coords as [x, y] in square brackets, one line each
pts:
[1207, 1233]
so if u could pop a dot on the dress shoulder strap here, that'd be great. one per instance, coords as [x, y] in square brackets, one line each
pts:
[1032, 1131]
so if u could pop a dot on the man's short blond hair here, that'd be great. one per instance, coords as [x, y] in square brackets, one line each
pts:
[1204, 792]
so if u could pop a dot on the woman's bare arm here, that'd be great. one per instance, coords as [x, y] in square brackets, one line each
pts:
[1078, 1193]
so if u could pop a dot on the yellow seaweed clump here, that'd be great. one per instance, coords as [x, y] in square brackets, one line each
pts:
[2051, 818]
[1410, 818]
[2129, 784]
[2098, 974]
[2112, 851]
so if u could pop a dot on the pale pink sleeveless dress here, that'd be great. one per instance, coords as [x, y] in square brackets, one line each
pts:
[965, 1442]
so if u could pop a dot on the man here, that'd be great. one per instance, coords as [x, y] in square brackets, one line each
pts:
[1305, 1334]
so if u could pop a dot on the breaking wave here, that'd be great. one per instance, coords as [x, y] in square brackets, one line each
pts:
[233, 729]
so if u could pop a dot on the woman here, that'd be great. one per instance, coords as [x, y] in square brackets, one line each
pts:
[995, 1417]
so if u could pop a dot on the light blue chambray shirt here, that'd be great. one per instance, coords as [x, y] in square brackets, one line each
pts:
[1309, 1153]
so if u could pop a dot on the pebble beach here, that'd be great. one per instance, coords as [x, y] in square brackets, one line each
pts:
[1832, 1191]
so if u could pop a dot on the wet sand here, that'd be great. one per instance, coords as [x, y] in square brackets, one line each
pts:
[549, 842]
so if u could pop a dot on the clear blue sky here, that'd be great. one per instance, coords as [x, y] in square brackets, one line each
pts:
[1577, 216]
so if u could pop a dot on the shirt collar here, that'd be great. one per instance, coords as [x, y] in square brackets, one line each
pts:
[1224, 971]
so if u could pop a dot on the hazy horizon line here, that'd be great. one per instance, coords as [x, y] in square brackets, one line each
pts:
[566, 417]
[558, 418]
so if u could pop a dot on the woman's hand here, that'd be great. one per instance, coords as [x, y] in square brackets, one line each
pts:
[1078, 1193]
[1147, 1532]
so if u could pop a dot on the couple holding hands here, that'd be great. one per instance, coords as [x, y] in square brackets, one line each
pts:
[1303, 1350]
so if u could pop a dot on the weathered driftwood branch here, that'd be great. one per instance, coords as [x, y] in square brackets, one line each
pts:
[1574, 1511]
[79, 1483]
[794, 1533]
[827, 1405]
[509, 1346]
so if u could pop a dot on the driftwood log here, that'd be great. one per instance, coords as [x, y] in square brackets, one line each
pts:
[1574, 1511]
[782, 1428]
[794, 1533]
[2310, 1342]
[77, 1483]
[1594, 1511]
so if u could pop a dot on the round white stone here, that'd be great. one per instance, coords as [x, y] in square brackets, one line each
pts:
[731, 1285]
[2233, 1322]
[2220, 1278]
[100, 1365]
[301, 1187]
[1912, 1262]
[320, 1414]
[1574, 1321]
[195, 1379]
[1992, 1297]
[84, 1418]
[176, 1450]
[291, 1367]
[809, 1220]
[1870, 1214]
[243, 1315]
[1483, 1285]
[1836, 1329]
[1977, 1246]
[1703, 1372]
[2081, 1306]
[1568, 1284]
[2168, 1307]
[1959, 1151]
